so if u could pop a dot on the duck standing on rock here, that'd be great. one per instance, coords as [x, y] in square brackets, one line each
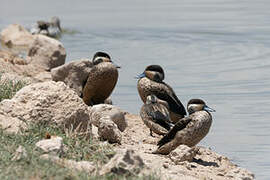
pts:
[155, 115]
[151, 82]
[189, 130]
[101, 80]
[52, 28]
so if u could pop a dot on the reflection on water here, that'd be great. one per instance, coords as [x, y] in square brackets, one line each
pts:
[216, 50]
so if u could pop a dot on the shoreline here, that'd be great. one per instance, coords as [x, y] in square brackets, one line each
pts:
[37, 68]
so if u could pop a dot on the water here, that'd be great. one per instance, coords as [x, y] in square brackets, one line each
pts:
[216, 50]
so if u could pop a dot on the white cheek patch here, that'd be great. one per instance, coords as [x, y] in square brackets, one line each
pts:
[98, 57]
[194, 107]
[104, 59]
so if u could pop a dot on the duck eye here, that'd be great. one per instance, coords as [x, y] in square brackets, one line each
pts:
[153, 99]
[158, 77]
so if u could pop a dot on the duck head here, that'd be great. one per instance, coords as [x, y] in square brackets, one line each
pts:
[100, 57]
[198, 105]
[153, 72]
[42, 25]
[151, 99]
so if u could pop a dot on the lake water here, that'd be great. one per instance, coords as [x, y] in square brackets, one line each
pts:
[217, 50]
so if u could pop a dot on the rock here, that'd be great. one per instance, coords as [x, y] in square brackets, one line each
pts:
[240, 174]
[11, 124]
[42, 77]
[11, 58]
[125, 162]
[108, 130]
[166, 165]
[51, 103]
[183, 153]
[16, 35]
[86, 166]
[16, 68]
[110, 121]
[46, 52]
[116, 115]
[19, 154]
[53, 145]
[73, 74]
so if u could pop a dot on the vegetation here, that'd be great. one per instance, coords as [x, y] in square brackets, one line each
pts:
[35, 168]
[32, 167]
[8, 88]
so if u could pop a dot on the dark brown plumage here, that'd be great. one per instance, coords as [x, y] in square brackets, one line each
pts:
[151, 82]
[101, 80]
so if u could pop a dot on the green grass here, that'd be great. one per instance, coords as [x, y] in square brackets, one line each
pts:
[32, 167]
[8, 88]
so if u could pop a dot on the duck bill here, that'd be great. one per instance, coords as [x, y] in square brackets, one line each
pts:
[140, 76]
[206, 108]
[118, 67]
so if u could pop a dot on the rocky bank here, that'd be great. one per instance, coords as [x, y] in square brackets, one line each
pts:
[58, 103]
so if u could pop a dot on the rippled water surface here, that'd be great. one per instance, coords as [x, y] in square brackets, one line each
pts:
[217, 50]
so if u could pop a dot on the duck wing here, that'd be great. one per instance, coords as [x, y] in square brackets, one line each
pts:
[181, 124]
[158, 115]
[160, 118]
[174, 103]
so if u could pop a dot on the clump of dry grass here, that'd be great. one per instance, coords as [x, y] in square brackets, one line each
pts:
[8, 88]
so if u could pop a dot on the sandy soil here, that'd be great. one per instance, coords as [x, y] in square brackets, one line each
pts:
[206, 164]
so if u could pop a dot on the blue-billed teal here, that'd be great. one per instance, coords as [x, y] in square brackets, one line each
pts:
[151, 82]
[101, 80]
[189, 130]
[155, 115]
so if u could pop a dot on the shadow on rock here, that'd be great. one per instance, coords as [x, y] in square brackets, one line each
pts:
[205, 163]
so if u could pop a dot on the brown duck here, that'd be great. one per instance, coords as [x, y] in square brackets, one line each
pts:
[189, 130]
[155, 115]
[101, 80]
[151, 82]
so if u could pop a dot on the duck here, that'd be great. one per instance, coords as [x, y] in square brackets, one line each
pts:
[151, 82]
[101, 80]
[155, 115]
[189, 130]
[52, 28]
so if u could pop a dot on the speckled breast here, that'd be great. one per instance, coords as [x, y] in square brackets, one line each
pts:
[147, 87]
[197, 129]
[100, 83]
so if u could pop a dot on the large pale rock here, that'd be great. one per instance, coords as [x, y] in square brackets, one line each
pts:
[48, 102]
[108, 130]
[85, 166]
[73, 74]
[183, 153]
[52, 146]
[16, 68]
[115, 114]
[125, 162]
[16, 35]
[46, 52]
